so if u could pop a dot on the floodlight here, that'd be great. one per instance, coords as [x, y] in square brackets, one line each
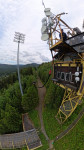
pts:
[44, 23]
[50, 21]
[44, 19]
[44, 37]
[47, 9]
[19, 38]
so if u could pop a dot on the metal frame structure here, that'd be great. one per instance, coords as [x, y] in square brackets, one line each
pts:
[18, 140]
[69, 103]
[71, 97]
[57, 28]
[70, 100]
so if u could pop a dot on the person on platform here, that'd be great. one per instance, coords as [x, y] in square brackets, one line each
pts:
[63, 35]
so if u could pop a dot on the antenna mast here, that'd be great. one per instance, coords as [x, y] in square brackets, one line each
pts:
[43, 4]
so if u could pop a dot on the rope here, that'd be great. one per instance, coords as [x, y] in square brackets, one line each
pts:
[34, 83]
[46, 80]
[44, 83]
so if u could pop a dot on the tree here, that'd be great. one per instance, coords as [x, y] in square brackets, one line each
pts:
[50, 95]
[11, 120]
[30, 100]
[2, 102]
[13, 96]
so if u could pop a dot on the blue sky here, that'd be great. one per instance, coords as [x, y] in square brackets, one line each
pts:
[25, 16]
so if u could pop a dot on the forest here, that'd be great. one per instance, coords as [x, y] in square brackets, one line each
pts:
[6, 69]
[13, 105]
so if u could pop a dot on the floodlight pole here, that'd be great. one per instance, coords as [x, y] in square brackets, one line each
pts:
[19, 38]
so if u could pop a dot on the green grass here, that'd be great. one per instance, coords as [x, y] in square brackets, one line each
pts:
[52, 127]
[51, 124]
[35, 118]
[44, 142]
[74, 140]
[24, 148]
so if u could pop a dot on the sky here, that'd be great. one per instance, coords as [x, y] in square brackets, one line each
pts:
[25, 16]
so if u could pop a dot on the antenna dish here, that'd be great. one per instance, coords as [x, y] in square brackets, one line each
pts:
[77, 30]
[43, 29]
[50, 21]
[44, 37]
[47, 9]
[44, 19]
[44, 23]
[51, 16]
[47, 12]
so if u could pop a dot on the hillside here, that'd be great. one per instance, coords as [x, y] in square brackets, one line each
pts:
[74, 139]
[13, 105]
[7, 69]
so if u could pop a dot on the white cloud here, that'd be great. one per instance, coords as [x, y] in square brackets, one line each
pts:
[25, 17]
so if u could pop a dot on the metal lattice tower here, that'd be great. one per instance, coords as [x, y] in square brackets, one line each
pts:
[69, 103]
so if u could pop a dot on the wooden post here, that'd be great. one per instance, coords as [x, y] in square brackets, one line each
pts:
[13, 144]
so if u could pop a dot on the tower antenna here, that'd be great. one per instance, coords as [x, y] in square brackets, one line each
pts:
[43, 4]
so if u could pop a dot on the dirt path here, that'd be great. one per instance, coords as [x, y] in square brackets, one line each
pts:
[41, 94]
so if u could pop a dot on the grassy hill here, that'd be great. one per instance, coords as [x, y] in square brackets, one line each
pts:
[74, 140]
